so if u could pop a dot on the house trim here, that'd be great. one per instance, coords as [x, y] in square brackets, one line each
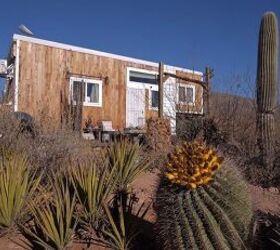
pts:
[16, 87]
[17, 37]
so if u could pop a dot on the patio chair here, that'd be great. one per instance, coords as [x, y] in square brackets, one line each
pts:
[107, 130]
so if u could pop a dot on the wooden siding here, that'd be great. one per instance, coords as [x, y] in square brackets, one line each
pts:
[44, 83]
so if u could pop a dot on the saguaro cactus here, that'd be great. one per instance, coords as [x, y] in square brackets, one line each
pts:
[201, 203]
[267, 77]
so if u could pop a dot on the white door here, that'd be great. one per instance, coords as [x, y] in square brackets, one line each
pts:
[135, 107]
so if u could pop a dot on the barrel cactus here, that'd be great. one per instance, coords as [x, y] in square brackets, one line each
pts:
[267, 78]
[201, 202]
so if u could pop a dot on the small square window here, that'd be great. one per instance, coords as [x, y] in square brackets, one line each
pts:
[186, 94]
[92, 92]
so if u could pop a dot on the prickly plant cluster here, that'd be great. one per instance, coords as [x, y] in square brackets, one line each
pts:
[201, 202]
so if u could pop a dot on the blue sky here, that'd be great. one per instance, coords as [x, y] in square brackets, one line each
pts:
[192, 34]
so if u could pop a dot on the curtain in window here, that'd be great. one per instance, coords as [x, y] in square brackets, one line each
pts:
[93, 92]
[182, 94]
[189, 95]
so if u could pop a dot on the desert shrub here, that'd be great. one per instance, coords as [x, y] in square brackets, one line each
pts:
[158, 141]
[49, 148]
[188, 127]
[258, 174]
[158, 135]
[9, 128]
[235, 117]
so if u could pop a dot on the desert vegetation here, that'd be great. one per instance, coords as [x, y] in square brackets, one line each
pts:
[197, 190]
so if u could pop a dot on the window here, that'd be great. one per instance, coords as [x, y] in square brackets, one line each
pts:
[135, 76]
[154, 99]
[92, 90]
[77, 87]
[186, 94]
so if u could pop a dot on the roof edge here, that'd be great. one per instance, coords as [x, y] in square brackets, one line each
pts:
[98, 53]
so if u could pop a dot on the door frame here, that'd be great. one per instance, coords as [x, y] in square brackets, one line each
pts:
[136, 85]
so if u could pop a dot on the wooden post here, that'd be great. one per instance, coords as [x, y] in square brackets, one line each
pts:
[160, 89]
[79, 107]
[206, 92]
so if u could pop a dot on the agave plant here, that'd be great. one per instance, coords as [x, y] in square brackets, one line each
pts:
[116, 230]
[54, 222]
[125, 157]
[93, 186]
[121, 228]
[18, 185]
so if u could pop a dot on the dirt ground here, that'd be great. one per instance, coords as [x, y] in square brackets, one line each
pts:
[265, 200]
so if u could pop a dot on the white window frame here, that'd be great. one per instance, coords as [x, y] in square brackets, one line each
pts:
[186, 86]
[87, 81]
[139, 85]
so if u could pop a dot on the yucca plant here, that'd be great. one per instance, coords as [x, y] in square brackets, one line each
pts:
[120, 228]
[125, 157]
[93, 186]
[116, 230]
[54, 222]
[18, 184]
[126, 164]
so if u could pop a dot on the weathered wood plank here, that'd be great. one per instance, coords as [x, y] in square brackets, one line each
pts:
[43, 84]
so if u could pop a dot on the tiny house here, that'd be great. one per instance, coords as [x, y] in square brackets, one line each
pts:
[124, 90]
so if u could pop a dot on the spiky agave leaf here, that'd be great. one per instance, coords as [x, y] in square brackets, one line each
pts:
[121, 227]
[119, 237]
[54, 222]
[125, 157]
[93, 186]
[18, 185]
